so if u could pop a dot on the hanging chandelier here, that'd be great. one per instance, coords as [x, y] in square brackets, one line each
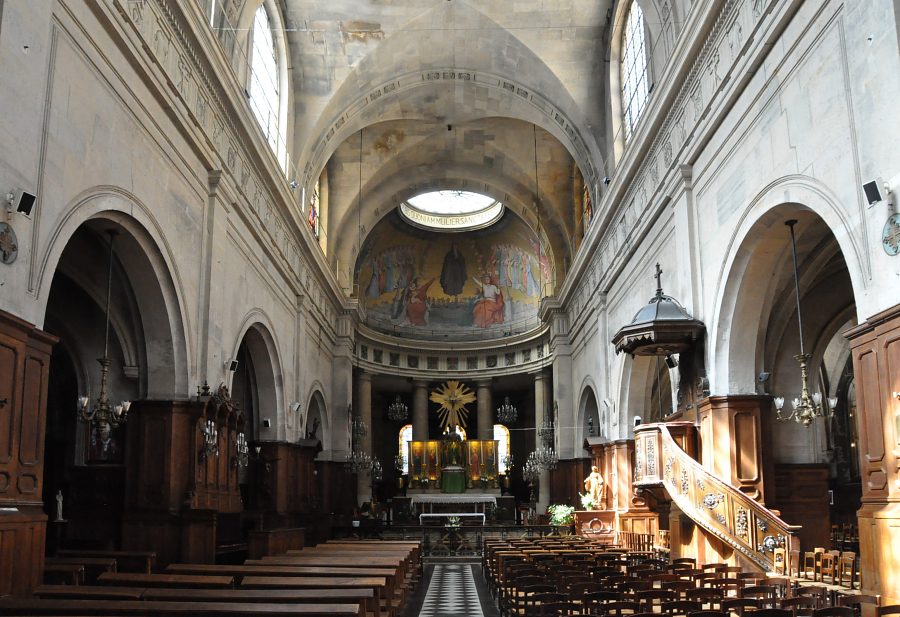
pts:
[507, 413]
[102, 413]
[544, 457]
[358, 460]
[398, 411]
[806, 407]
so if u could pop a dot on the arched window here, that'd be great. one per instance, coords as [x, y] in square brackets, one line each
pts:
[264, 87]
[501, 434]
[404, 437]
[635, 89]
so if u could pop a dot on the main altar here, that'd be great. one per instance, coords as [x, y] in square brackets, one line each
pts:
[452, 466]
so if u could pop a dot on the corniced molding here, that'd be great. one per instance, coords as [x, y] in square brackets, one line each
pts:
[713, 70]
[165, 43]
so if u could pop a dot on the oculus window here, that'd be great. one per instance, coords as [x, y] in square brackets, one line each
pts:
[451, 210]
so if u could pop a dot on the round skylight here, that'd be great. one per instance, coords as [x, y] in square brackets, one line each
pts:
[451, 210]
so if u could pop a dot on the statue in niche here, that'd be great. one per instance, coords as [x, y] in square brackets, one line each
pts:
[59, 506]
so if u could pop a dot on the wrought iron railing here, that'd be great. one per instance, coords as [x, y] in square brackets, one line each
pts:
[715, 505]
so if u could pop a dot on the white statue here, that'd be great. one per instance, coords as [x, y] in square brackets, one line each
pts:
[59, 506]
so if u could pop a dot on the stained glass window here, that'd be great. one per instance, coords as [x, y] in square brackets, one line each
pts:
[501, 434]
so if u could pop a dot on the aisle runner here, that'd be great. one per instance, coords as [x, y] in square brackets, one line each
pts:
[451, 592]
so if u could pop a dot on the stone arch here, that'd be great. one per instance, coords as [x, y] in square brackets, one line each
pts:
[258, 383]
[589, 407]
[143, 259]
[317, 408]
[379, 80]
[753, 253]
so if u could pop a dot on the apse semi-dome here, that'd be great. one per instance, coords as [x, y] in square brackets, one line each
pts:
[451, 211]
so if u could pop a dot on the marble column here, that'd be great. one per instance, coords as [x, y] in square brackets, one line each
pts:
[540, 412]
[485, 410]
[420, 411]
[364, 412]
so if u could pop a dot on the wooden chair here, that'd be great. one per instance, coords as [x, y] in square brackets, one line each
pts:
[828, 566]
[811, 562]
[738, 605]
[773, 612]
[708, 614]
[801, 605]
[779, 557]
[846, 569]
[891, 609]
[819, 593]
[856, 601]
[680, 608]
[706, 596]
[793, 565]
[834, 611]
[766, 594]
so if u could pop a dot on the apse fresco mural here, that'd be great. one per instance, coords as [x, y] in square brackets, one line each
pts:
[444, 286]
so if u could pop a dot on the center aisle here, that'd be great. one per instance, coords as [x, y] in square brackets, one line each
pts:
[454, 590]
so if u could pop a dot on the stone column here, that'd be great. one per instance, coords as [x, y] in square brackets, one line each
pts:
[420, 411]
[485, 410]
[364, 401]
[540, 412]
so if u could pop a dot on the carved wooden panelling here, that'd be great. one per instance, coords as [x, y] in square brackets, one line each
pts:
[7, 393]
[746, 442]
[31, 435]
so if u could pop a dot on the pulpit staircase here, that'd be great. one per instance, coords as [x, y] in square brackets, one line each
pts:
[717, 507]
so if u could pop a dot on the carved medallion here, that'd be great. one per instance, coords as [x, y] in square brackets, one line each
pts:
[890, 235]
[9, 245]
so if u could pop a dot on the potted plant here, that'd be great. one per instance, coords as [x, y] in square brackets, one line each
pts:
[561, 515]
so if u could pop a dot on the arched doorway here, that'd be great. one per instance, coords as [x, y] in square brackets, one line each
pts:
[254, 389]
[757, 336]
[85, 462]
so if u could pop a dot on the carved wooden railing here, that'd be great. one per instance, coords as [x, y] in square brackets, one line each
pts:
[719, 508]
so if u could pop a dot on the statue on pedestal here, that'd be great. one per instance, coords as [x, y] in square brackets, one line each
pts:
[59, 506]
[594, 485]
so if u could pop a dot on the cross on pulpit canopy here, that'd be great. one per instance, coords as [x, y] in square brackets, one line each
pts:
[658, 275]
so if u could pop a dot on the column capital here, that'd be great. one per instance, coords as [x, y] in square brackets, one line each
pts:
[484, 382]
[364, 376]
[420, 383]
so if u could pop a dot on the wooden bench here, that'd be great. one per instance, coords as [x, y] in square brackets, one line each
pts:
[28, 607]
[93, 566]
[88, 592]
[376, 583]
[130, 579]
[126, 561]
[65, 573]
[366, 596]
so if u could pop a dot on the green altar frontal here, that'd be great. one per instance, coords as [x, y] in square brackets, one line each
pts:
[453, 480]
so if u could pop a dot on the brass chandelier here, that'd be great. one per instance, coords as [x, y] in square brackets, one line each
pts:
[102, 413]
[806, 407]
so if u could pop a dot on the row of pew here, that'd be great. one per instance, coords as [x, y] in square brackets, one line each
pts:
[350, 578]
[565, 576]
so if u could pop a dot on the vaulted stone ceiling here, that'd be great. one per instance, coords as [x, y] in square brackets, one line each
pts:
[449, 94]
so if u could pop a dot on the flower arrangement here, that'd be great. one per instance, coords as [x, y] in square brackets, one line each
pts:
[587, 501]
[561, 515]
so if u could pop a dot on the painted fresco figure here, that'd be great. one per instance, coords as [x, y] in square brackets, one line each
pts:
[489, 309]
[416, 306]
[453, 274]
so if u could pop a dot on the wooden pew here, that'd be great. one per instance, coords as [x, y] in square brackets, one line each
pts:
[93, 566]
[366, 596]
[88, 592]
[28, 607]
[126, 561]
[130, 579]
[67, 573]
[377, 584]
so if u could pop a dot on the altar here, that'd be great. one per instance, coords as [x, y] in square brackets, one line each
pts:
[452, 465]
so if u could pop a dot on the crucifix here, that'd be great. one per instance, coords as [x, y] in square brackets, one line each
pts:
[658, 277]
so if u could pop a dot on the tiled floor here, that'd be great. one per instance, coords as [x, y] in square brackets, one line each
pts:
[452, 590]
